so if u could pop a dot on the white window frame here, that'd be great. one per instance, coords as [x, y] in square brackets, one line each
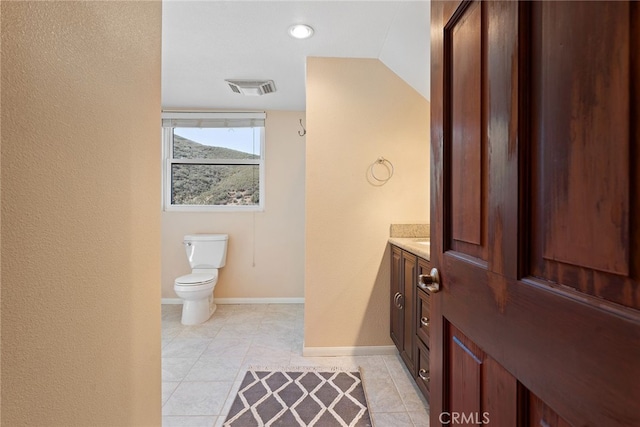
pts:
[171, 120]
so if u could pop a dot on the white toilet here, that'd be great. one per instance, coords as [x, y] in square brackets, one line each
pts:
[206, 253]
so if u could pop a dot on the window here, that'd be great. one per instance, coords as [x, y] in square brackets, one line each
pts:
[213, 161]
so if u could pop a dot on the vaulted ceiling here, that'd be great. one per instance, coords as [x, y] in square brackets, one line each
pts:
[206, 42]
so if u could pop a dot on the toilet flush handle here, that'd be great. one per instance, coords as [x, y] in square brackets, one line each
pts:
[190, 249]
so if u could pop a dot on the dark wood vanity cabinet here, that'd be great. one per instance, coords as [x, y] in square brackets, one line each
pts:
[410, 314]
[403, 297]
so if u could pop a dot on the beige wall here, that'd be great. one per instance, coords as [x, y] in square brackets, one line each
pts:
[80, 218]
[265, 256]
[0, 238]
[357, 111]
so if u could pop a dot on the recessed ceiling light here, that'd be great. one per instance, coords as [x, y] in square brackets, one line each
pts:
[300, 31]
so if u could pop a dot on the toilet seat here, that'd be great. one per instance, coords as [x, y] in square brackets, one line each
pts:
[193, 289]
[196, 279]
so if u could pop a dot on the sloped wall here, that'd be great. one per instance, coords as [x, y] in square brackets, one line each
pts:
[357, 111]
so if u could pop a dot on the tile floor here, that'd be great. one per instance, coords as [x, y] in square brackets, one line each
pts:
[202, 366]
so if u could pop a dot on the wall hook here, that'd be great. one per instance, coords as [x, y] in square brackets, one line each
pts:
[304, 131]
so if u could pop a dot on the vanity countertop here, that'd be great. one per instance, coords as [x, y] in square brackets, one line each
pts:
[420, 246]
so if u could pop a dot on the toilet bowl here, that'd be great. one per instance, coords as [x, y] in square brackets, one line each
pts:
[206, 253]
[196, 292]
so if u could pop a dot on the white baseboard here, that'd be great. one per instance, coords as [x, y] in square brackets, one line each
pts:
[349, 351]
[243, 301]
[259, 300]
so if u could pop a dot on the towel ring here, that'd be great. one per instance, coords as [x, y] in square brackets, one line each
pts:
[388, 170]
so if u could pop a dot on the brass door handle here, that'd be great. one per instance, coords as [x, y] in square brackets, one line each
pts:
[430, 282]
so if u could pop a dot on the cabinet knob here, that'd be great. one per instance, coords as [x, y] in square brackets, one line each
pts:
[424, 321]
[430, 282]
[424, 375]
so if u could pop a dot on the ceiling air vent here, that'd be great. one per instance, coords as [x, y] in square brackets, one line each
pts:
[252, 87]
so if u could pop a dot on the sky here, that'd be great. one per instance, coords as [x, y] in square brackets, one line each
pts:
[241, 139]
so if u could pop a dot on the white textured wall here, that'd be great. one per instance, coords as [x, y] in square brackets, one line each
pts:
[80, 213]
[265, 256]
[357, 111]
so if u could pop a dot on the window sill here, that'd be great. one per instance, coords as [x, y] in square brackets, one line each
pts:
[216, 209]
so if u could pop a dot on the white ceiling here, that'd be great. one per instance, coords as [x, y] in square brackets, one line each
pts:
[206, 42]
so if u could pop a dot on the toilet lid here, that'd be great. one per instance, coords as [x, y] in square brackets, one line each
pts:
[195, 279]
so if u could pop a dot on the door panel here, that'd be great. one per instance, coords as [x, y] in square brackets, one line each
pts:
[503, 127]
[468, 158]
[481, 390]
[580, 82]
[541, 415]
[544, 309]
[465, 368]
[500, 398]
[466, 138]
[581, 149]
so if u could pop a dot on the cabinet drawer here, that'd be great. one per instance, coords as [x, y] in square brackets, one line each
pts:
[422, 371]
[423, 317]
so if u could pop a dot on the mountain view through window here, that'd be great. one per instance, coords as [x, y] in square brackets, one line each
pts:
[218, 184]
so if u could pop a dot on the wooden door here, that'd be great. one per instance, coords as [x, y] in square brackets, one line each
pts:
[535, 213]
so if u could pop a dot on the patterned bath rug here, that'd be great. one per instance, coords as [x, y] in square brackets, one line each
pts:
[300, 397]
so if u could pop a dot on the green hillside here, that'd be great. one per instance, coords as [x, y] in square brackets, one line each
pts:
[213, 184]
[184, 148]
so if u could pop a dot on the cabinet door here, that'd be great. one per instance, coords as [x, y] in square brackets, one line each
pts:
[423, 317]
[408, 300]
[422, 369]
[422, 323]
[396, 313]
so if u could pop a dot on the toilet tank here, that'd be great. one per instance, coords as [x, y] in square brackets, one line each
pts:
[206, 250]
